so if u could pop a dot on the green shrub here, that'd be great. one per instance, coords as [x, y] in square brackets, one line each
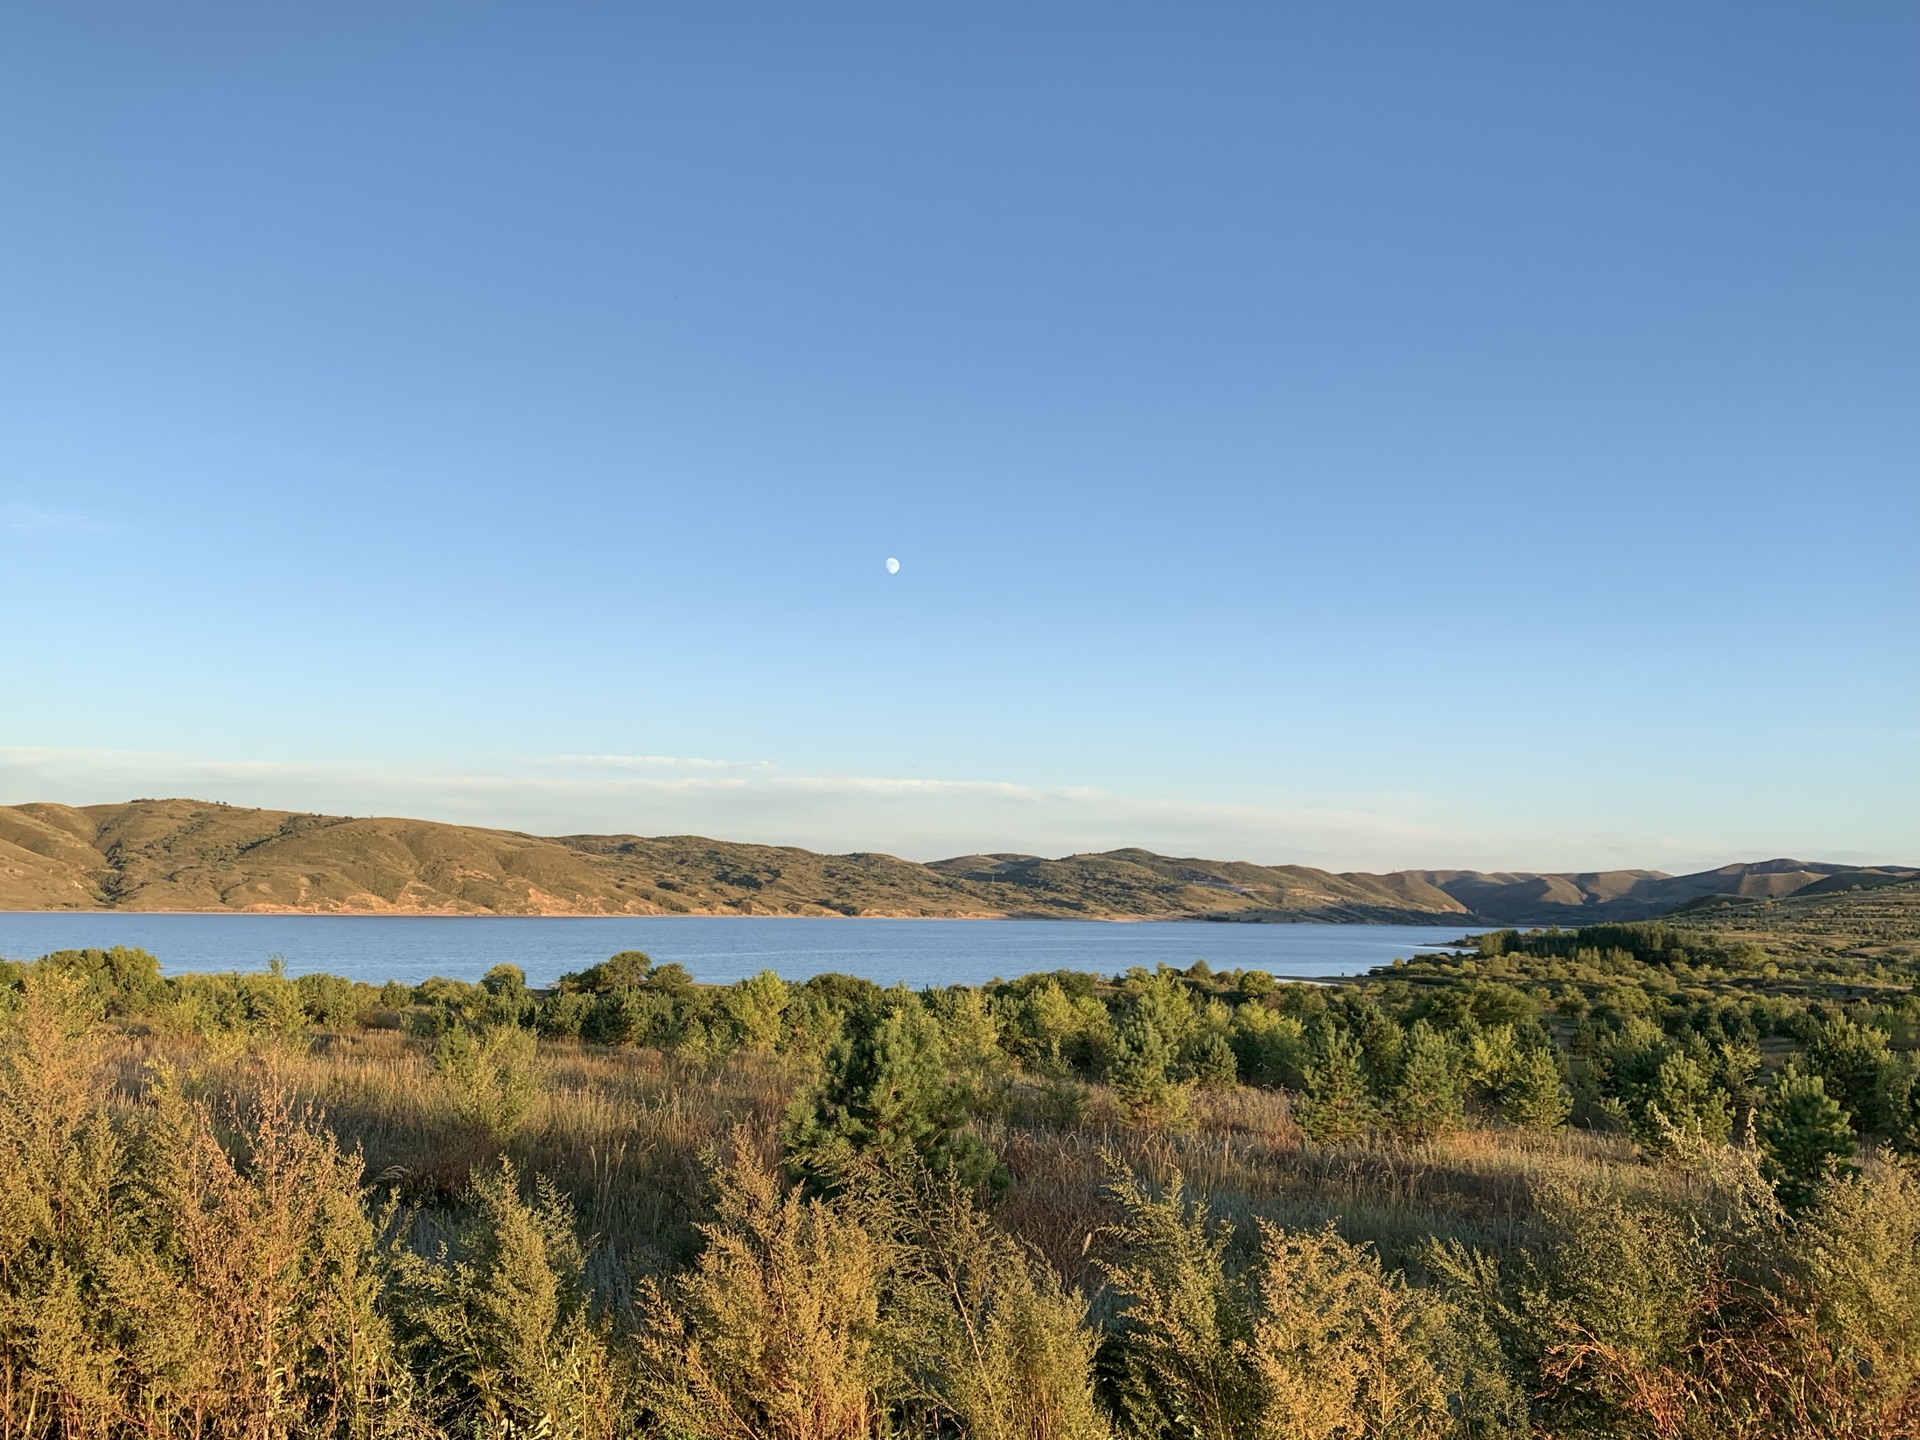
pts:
[777, 1331]
[328, 1000]
[498, 1324]
[492, 1078]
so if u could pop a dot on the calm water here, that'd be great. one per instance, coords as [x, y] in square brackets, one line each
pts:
[716, 948]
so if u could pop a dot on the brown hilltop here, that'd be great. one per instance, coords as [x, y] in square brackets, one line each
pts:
[202, 856]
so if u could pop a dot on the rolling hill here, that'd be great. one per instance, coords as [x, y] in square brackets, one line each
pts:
[1866, 914]
[1521, 899]
[204, 856]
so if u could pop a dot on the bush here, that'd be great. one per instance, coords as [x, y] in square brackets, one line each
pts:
[757, 1008]
[1316, 1339]
[498, 1323]
[564, 1014]
[492, 1078]
[328, 1000]
[992, 1337]
[777, 1330]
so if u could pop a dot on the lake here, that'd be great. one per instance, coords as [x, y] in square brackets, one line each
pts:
[713, 948]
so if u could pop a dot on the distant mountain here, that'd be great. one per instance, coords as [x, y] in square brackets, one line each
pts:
[1583, 899]
[202, 856]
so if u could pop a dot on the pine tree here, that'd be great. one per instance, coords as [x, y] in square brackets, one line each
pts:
[1142, 1069]
[1859, 1070]
[1531, 1097]
[885, 1090]
[1426, 1102]
[1682, 1099]
[1805, 1135]
[1337, 1106]
[1213, 1063]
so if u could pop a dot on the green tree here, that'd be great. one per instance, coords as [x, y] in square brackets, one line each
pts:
[885, 1090]
[1040, 1023]
[504, 980]
[1804, 1135]
[119, 981]
[757, 1005]
[1682, 1101]
[1490, 1056]
[1859, 1070]
[624, 971]
[1338, 1105]
[1145, 1049]
[1531, 1094]
[1270, 1046]
[1382, 1045]
[1212, 1062]
[1426, 1102]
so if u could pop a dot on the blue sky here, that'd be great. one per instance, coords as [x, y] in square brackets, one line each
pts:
[1364, 435]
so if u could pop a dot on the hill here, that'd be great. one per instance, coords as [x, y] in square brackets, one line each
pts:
[195, 855]
[1870, 915]
[1615, 895]
[205, 856]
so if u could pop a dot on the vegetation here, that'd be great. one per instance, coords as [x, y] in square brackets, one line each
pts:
[1632, 1180]
[191, 855]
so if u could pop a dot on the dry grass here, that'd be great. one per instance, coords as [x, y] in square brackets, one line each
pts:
[1246, 1156]
[623, 1133]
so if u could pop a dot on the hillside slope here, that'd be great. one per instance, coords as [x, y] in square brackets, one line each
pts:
[195, 855]
[1583, 899]
[1866, 914]
[202, 856]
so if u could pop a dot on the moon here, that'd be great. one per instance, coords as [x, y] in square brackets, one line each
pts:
[893, 566]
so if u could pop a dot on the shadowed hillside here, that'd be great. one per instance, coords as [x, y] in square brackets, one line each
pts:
[196, 855]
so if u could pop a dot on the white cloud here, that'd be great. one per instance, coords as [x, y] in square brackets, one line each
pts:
[19, 515]
[651, 762]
